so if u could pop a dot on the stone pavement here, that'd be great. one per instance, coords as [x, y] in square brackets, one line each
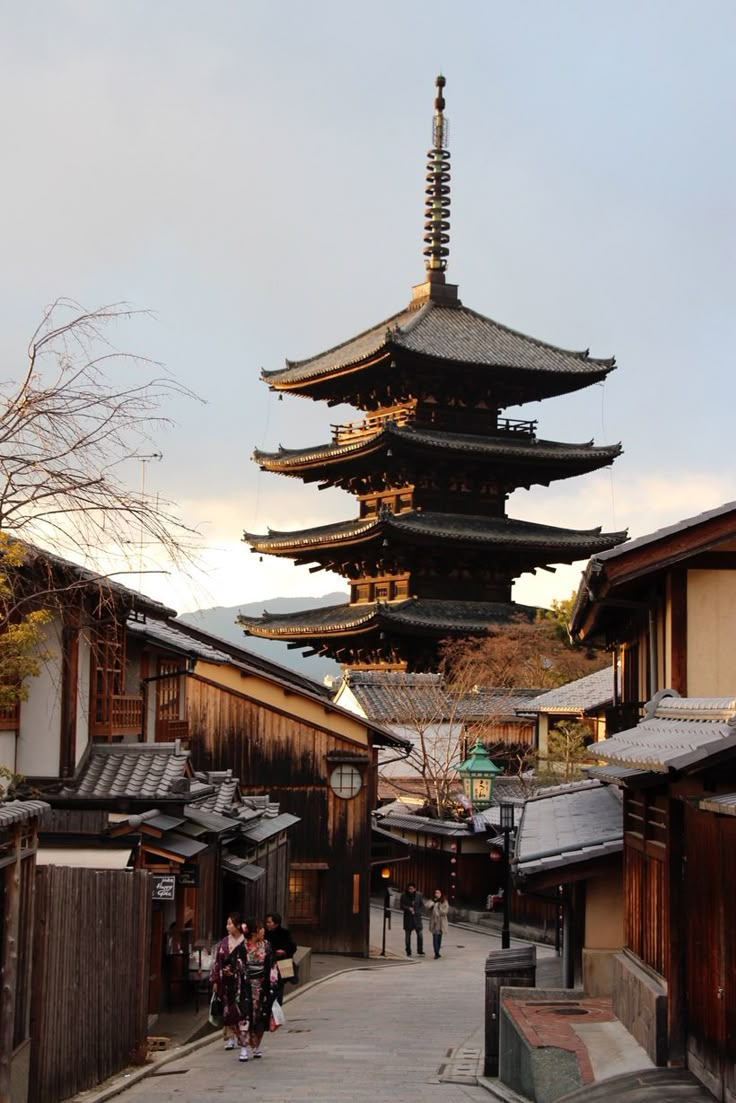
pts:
[399, 1030]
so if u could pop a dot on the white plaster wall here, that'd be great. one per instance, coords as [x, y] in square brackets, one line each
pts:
[440, 739]
[7, 750]
[39, 740]
[711, 639]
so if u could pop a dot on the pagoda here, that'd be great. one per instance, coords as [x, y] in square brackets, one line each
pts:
[431, 553]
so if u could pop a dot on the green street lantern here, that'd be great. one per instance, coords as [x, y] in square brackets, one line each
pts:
[477, 773]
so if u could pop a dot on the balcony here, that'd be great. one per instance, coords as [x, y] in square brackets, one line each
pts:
[619, 718]
[355, 430]
[10, 717]
[116, 715]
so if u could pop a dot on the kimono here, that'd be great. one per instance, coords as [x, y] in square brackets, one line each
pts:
[261, 977]
[231, 987]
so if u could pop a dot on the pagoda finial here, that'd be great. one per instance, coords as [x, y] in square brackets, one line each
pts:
[437, 193]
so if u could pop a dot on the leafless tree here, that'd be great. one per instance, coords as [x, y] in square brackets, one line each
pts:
[80, 411]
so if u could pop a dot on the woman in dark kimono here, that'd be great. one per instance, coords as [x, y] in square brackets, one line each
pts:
[260, 987]
[227, 978]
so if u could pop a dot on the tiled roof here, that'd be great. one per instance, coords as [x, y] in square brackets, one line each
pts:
[447, 332]
[457, 528]
[677, 733]
[391, 697]
[501, 705]
[567, 825]
[169, 635]
[21, 811]
[538, 453]
[268, 826]
[224, 793]
[591, 692]
[457, 617]
[422, 824]
[138, 770]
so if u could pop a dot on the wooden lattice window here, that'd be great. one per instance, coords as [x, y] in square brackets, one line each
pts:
[645, 877]
[113, 713]
[304, 897]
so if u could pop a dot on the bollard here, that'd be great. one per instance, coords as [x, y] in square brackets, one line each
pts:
[516, 967]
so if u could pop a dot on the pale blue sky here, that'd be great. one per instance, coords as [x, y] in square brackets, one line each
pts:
[254, 174]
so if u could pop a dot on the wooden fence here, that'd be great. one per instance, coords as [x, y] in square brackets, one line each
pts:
[90, 978]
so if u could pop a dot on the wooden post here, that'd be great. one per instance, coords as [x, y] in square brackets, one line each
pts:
[9, 965]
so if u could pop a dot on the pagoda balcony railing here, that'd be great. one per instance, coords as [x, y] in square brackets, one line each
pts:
[366, 426]
[511, 426]
[116, 715]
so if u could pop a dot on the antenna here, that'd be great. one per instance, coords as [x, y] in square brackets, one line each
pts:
[144, 460]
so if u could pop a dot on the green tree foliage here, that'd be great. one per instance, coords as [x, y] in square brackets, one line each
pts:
[566, 746]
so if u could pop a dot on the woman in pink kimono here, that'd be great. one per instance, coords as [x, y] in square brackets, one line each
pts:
[261, 977]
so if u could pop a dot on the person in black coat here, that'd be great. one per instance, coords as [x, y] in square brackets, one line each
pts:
[412, 905]
[283, 946]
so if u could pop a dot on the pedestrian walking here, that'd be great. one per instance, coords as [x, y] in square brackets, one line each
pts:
[438, 909]
[412, 905]
[260, 987]
[284, 948]
[227, 978]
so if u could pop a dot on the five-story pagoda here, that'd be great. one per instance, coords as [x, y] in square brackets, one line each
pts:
[431, 553]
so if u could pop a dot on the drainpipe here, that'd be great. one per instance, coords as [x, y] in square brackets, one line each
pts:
[568, 974]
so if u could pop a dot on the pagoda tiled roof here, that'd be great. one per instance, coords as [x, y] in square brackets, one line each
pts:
[502, 532]
[390, 435]
[452, 617]
[449, 332]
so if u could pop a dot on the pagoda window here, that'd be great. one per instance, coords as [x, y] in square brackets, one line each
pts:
[113, 712]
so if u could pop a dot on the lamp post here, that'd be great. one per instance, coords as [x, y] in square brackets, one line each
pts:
[385, 877]
[477, 773]
[507, 826]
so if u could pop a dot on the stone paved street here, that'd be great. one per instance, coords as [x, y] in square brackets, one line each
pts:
[407, 1032]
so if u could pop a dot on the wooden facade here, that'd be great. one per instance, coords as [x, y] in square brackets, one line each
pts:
[274, 751]
[90, 925]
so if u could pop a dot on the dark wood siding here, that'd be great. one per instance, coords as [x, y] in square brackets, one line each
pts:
[275, 753]
[90, 978]
[646, 886]
[711, 960]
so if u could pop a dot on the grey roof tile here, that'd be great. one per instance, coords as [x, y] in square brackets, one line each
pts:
[137, 770]
[21, 811]
[676, 733]
[591, 692]
[567, 825]
[453, 333]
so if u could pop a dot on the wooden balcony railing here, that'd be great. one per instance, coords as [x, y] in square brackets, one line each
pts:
[116, 715]
[354, 430]
[10, 717]
[621, 717]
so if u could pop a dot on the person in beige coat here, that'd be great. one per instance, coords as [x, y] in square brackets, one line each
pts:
[438, 909]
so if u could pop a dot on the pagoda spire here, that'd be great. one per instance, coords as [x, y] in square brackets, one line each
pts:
[437, 191]
[437, 208]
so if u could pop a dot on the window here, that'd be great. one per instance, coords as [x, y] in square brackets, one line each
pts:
[303, 897]
[346, 782]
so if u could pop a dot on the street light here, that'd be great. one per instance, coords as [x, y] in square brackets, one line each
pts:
[385, 877]
[507, 826]
[477, 773]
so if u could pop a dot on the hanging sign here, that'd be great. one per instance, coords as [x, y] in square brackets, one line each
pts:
[163, 887]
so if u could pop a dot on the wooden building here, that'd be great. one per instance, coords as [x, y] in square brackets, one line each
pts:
[123, 681]
[587, 701]
[675, 980]
[665, 606]
[19, 824]
[432, 552]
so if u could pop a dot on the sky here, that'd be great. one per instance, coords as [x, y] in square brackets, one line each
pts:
[252, 174]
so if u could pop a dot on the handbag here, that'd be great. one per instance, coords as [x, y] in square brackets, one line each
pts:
[286, 968]
[216, 1010]
[277, 1016]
